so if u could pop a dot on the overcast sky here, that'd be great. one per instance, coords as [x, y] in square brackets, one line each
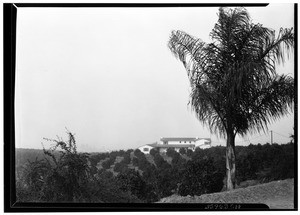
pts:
[108, 76]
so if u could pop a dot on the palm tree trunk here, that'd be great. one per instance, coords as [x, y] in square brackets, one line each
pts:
[230, 161]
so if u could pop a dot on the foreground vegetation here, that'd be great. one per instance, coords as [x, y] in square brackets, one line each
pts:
[61, 174]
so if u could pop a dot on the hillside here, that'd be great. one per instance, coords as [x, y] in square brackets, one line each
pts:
[276, 194]
[149, 178]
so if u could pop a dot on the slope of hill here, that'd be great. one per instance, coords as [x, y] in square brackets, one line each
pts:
[155, 176]
[276, 194]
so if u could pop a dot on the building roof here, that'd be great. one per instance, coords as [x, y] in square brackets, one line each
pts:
[185, 145]
[171, 145]
[148, 144]
[179, 139]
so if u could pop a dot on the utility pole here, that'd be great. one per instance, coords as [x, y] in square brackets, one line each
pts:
[271, 137]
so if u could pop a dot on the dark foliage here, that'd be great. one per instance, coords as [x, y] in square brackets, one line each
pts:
[201, 177]
[160, 162]
[133, 182]
[75, 177]
[171, 152]
[106, 164]
[183, 151]
[126, 159]
[66, 178]
[154, 151]
[138, 153]
[94, 159]
[189, 153]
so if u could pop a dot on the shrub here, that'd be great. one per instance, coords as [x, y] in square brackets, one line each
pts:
[126, 159]
[183, 151]
[132, 182]
[189, 153]
[200, 177]
[177, 160]
[67, 178]
[171, 152]
[106, 164]
[135, 161]
[154, 151]
[138, 153]
[159, 161]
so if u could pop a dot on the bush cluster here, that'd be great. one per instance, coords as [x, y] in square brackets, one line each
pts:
[68, 178]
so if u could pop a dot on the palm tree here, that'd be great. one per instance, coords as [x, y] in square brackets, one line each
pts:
[234, 85]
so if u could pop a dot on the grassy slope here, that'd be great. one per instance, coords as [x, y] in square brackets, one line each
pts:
[276, 194]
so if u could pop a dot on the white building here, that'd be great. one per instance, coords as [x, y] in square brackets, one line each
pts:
[177, 144]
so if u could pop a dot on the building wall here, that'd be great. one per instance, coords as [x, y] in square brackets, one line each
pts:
[205, 146]
[178, 142]
[145, 149]
[201, 143]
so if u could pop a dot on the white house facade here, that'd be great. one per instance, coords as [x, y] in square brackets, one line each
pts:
[146, 148]
[177, 143]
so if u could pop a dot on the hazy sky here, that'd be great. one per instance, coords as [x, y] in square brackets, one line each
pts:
[108, 76]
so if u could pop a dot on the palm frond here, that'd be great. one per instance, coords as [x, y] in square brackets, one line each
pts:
[230, 21]
[263, 105]
[187, 49]
[274, 48]
[233, 79]
[205, 104]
